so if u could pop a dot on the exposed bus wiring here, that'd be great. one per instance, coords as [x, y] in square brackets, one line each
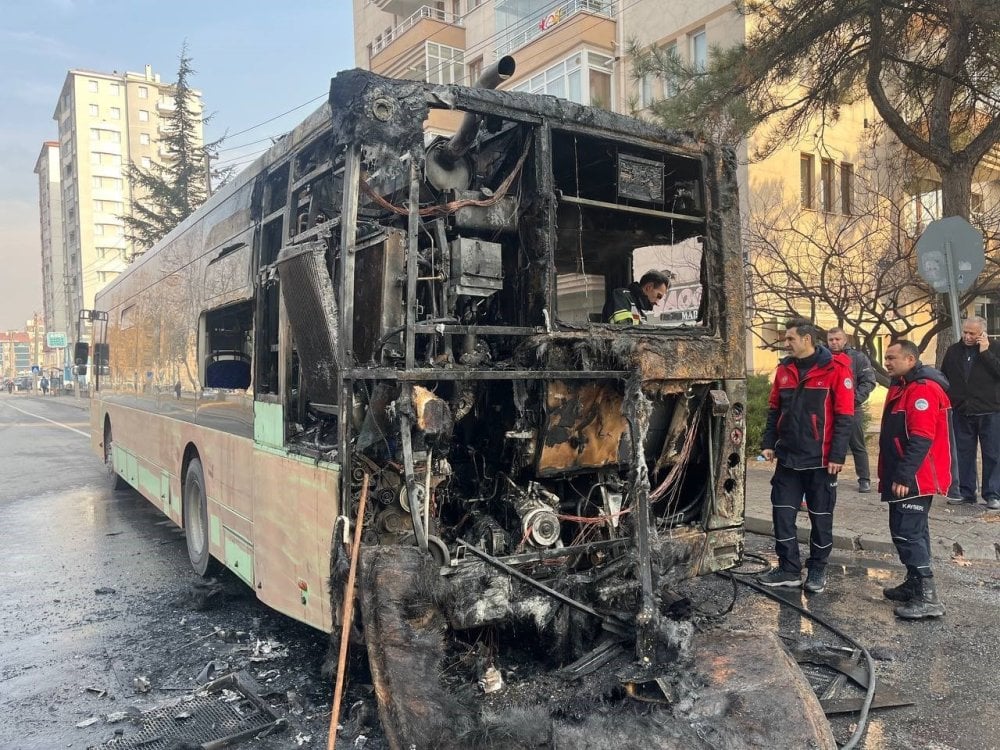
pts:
[452, 206]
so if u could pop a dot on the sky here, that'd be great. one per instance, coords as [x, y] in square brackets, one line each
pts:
[254, 59]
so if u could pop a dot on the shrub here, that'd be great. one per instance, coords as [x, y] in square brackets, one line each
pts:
[758, 389]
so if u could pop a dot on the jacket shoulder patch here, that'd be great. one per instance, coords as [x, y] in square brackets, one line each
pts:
[848, 383]
[921, 404]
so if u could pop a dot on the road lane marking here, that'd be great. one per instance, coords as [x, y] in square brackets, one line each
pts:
[51, 421]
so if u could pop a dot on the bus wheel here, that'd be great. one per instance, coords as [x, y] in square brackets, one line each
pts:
[115, 480]
[196, 518]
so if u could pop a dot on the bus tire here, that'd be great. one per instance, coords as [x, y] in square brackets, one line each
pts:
[195, 501]
[115, 480]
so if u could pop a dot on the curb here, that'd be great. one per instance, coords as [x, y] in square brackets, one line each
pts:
[941, 547]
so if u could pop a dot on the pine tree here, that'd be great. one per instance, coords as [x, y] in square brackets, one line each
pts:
[163, 195]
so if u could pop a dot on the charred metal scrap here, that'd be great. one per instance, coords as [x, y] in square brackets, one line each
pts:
[556, 474]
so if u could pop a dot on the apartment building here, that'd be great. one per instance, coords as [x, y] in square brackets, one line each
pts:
[578, 50]
[105, 121]
[55, 274]
[15, 354]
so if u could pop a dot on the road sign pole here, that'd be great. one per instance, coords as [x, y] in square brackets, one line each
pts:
[956, 320]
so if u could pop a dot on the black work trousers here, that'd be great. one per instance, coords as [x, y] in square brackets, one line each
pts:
[911, 534]
[788, 486]
[858, 448]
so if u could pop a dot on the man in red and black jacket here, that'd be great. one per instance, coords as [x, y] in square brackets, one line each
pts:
[809, 422]
[916, 455]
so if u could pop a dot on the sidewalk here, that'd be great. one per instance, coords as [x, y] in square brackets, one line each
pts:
[67, 399]
[861, 522]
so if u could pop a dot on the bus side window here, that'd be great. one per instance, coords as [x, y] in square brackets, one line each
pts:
[228, 342]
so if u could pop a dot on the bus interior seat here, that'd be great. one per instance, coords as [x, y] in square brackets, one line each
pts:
[228, 373]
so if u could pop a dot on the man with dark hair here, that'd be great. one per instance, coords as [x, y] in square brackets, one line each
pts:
[972, 367]
[915, 460]
[809, 421]
[864, 384]
[630, 305]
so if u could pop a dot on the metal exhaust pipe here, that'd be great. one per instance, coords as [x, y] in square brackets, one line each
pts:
[456, 147]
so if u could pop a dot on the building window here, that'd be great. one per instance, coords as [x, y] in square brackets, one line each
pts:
[583, 78]
[143, 115]
[923, 206]
[670, 82]
[107, 183]
[475, 70]
[846, 188]
[699, 51]
[645, 91]
[116, 113]
[94, 111]
[103, 134]
[143, 139]
[114, 89]
[101, 159]
[826, 172]
[107, 207]
[146, 162]
[445, 65]
[806, 177]
[143, 92]
[92, 87]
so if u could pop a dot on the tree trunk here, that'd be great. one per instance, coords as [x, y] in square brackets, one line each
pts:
[956, 200]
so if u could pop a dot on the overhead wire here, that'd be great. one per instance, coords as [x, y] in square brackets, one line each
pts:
[482, 45]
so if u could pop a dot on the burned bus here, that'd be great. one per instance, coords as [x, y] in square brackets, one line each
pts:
[369, 306]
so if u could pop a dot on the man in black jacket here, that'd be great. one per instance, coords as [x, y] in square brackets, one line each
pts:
[864, 384]
[972, 366]
[809, 418]
[630, 305]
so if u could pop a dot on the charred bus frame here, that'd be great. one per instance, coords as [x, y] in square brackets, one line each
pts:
[363, 301]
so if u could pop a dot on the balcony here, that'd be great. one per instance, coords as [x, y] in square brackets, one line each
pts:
[526, 30]
[397, 7]
[426, 21]
[166, 104]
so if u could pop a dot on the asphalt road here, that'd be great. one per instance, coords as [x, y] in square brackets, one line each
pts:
[98, 596]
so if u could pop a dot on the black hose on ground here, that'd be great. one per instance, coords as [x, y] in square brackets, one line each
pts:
[870, 694]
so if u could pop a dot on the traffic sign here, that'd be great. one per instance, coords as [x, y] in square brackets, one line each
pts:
[55, 340]
[949, 258]
[954, 237]
[35, 369]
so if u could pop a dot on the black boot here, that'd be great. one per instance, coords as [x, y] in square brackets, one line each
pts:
[906, 590]
[924, 604]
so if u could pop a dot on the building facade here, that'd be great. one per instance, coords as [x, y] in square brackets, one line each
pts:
[55, 274]
[105, 121]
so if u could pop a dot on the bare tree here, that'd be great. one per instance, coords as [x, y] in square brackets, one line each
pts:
[859, 269]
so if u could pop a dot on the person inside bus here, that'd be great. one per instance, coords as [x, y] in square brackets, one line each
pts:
[630, 305]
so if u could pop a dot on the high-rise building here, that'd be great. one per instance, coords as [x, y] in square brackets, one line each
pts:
[55, 277]
[105, 120]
